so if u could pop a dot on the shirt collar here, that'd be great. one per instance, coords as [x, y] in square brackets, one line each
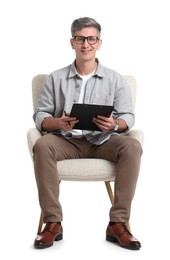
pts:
[98, 72]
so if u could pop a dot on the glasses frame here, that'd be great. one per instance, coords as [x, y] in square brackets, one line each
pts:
[86, 38]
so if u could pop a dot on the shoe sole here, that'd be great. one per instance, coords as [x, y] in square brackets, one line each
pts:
[58, 238]
[115, 240]
[111, 239]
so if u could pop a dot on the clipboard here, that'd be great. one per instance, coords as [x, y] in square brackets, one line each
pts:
[85, 113]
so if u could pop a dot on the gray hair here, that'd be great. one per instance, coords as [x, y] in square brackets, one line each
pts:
[83, 22]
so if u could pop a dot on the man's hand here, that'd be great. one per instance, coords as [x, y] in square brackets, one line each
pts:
[104, 123]
[66, 122]
[108, 123]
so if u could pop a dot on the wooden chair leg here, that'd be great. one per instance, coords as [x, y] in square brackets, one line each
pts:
[128, 226]
[40, 223]
[110, 192]
[111, 196]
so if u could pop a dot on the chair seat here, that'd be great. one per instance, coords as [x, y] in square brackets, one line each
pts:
[86, 170]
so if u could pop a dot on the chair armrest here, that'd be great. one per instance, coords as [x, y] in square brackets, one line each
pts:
[137, 134]
[32, 136]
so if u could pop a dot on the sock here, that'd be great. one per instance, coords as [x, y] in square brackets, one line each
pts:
[111, 223]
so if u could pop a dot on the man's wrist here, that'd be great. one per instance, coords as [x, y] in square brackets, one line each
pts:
[116, 126]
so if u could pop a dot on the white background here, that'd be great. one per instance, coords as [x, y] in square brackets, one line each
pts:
[35, 39]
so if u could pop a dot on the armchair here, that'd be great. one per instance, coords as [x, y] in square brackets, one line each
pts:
[81, 169]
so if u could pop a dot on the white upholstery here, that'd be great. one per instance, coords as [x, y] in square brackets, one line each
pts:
[81, 169]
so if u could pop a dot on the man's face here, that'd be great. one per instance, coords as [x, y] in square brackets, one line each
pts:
[86, 48]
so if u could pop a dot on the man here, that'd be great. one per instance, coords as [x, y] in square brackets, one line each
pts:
[85, 81]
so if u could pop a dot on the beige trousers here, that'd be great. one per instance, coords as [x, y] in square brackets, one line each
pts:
[123, 150]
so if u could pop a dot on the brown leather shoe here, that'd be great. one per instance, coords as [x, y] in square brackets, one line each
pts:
[51, 232]
[118, 232]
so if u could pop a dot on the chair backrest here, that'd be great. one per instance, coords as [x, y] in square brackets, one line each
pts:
[38, 80]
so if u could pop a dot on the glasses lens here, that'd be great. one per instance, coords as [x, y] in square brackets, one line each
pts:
[92, 39]
[79, 39]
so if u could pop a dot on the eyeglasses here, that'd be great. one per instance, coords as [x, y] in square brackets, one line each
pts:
[90, 39]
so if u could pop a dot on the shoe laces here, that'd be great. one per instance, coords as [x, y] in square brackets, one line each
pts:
[51, 226]
[123, 228]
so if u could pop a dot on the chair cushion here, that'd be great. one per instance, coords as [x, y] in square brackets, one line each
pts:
[86, 170]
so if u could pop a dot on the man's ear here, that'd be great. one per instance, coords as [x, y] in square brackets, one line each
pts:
[71, 42]
[99, 44]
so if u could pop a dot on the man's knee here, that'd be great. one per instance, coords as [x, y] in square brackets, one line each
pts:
[134, 146]
[42, 144]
